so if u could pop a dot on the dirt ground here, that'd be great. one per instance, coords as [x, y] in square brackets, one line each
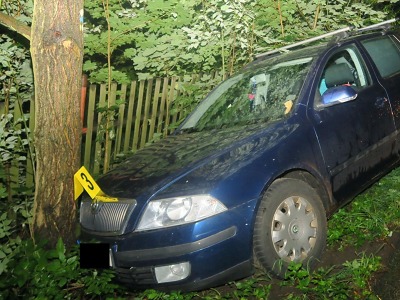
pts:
[385, 284]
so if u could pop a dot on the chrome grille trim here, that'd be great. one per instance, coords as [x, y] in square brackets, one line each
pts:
[106, 218]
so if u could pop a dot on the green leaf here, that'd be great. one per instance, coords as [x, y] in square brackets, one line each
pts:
[61, 250]
[54, 266]
[62, 282]
[71, 260]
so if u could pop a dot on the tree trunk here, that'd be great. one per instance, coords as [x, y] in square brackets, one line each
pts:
[57, 51]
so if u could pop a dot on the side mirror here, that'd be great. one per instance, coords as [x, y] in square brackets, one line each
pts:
[339, 94]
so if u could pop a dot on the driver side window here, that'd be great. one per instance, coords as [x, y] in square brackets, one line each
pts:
[345, 67]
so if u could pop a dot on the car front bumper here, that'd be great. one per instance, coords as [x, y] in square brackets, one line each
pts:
[203, 256]
[213, 251]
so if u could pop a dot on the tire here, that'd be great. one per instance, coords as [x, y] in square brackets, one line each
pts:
[290, 226]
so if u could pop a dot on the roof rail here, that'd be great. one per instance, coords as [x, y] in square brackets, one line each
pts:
[380, 25]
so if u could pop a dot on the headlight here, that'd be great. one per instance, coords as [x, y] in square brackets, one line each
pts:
[180, 210]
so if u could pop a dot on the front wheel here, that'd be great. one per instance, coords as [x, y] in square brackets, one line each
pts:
[290, 226]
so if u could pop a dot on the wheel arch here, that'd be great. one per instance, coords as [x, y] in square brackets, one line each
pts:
[315, 182]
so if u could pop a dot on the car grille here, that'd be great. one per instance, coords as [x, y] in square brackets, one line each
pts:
[106, 218]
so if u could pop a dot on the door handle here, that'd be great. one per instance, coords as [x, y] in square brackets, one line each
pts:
[380, 101]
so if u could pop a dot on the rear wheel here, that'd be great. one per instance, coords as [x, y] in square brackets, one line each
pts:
[290, 226]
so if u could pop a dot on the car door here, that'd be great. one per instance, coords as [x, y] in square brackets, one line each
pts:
[356, 137]
[384, 51]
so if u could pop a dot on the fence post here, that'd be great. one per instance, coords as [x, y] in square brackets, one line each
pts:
[99, 133]
[138, 115]
[30, 161]
[154, 110]
[132, 97]
[88, 139]
[121, 121]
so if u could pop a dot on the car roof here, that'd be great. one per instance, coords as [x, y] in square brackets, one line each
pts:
[310, 51]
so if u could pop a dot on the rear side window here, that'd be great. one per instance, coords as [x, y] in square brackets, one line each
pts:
[385, 53]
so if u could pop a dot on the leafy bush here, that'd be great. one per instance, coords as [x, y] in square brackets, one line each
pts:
[149, 38]
[36, 273]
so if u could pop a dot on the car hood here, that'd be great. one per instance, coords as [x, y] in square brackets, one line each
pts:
[153, 167]
[193, 162]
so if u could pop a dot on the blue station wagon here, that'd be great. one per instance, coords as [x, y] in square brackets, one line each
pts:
[249, 179]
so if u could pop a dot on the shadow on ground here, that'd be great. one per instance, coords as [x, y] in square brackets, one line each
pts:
[386, 284]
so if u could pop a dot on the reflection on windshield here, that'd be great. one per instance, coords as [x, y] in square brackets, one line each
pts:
[262, 95]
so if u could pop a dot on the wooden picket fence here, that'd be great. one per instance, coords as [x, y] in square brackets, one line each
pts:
[143, 112]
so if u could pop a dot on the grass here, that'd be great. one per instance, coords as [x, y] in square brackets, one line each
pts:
[372, 215]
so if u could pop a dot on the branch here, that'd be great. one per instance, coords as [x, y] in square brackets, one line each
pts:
[13, 24]
[281, 18]
[302, 15]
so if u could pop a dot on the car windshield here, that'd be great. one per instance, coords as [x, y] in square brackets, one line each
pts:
[265, 93]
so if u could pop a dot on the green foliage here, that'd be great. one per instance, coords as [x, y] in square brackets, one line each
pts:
[349, 281]
[159, 38]
[21, 10]
[221, 35]
[16, 88]
[8, 243]
[370, 216]
[149, 38]
[296, 20]
[14, 141]
[36, 273]
[135, 26]
[16, 75]
[151, 294]
[253, 288]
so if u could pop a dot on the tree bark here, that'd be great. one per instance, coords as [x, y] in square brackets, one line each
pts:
[57, 52]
